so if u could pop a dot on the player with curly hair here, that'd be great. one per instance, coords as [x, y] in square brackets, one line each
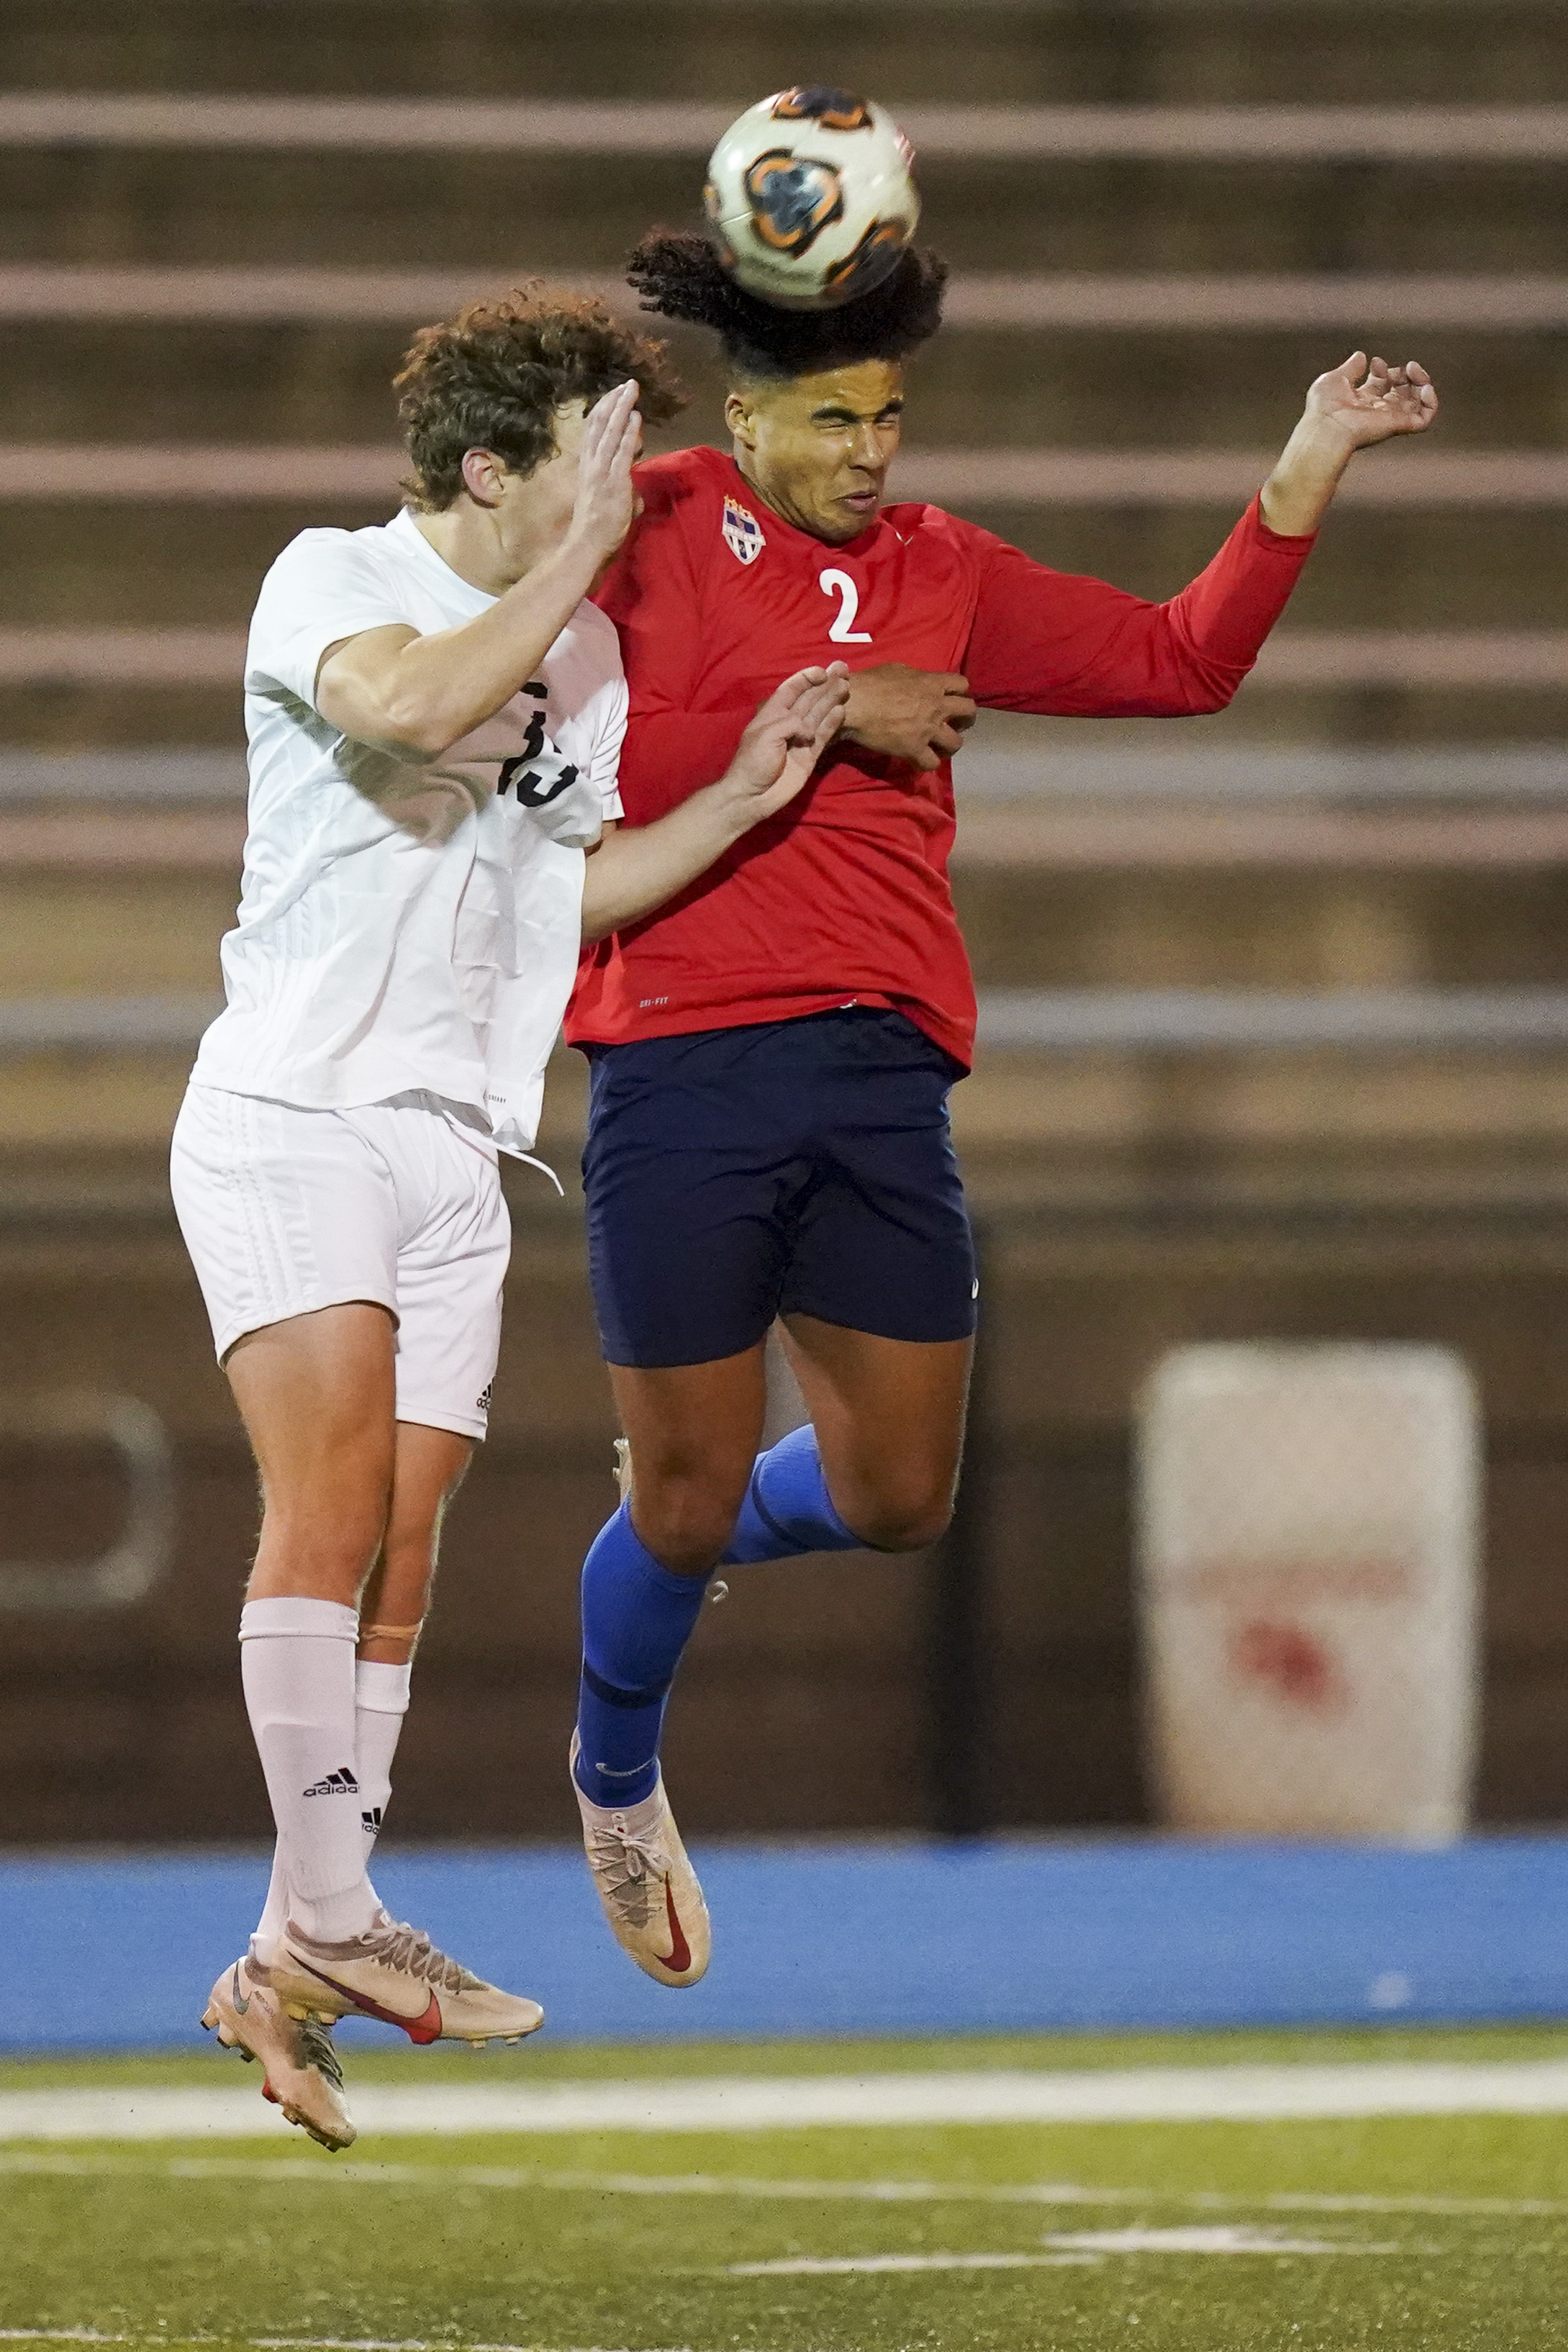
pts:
[435, 713]
[772, 1051]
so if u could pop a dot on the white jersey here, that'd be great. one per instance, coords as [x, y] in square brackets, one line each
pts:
[408, 925]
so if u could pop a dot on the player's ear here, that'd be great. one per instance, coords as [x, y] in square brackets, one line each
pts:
[484, 477]
[740, 415]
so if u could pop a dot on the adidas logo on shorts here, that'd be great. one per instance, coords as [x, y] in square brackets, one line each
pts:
[482, 1402]
[336, 1784]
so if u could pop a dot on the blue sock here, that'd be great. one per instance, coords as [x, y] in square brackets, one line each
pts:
[788, 1509]
[637, 1618]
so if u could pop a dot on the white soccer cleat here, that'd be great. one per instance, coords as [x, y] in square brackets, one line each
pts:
[646, 1884]
[395, 1973]
[300, 2072]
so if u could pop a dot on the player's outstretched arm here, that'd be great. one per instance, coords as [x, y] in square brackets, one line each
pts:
[419, 695]
[1352, 407]
[634, 871]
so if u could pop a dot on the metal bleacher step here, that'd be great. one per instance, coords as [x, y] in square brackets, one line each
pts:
[203, 207]
[1043, 51]
[1127, 870]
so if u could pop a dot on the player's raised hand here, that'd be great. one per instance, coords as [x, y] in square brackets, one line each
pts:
[606, 504]
[786, 739]
[1350, 408]
[1370, 401]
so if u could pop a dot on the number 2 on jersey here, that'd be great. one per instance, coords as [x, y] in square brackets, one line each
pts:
[843, 631]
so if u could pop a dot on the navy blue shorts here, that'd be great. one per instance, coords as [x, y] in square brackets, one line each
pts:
[797, 1167]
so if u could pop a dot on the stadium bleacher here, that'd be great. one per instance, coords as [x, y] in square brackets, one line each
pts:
[1276, 1004]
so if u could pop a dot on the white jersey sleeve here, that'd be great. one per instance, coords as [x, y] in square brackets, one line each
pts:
[325, 586]
[609, 734]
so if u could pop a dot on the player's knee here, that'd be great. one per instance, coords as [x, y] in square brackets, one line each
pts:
[684, 1524]
[330, 1551]
[902, 1520]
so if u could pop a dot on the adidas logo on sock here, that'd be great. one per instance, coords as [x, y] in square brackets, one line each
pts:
[372, 1821]
[336, 1784]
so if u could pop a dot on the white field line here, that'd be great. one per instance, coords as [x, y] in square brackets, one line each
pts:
[530, 2179]
[216, 474]
[1362, 305]
[790, 2102]
[1225, 2238]
[1083, 2246]
[852, 2265]
[1459, 659]
[1262, 134]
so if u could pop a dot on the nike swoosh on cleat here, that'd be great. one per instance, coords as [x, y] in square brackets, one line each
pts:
[241, 2001]
[680, 1958]
[424, 2028]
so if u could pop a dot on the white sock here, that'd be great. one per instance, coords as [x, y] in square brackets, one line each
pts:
[380, 1702]
[274, 1911]
[297, 1662]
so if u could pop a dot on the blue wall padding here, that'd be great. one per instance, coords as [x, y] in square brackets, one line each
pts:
[118, 1952]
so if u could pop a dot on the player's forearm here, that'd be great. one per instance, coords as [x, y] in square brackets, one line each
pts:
[435, 690]
[1297, 494]
[636, 869]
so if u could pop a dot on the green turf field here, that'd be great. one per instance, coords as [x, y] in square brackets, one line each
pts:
[1438, 2232]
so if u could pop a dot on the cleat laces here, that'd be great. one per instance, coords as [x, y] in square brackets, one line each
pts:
[410, 1952]
[629, 1864]
[317, 2049]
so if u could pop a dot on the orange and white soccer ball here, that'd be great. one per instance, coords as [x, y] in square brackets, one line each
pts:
[810, 198]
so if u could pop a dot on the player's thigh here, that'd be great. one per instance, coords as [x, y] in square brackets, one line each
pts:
[284, 1211]
[315, 1393]
[889, 1418]
[688, 1175]
[883, 1244]
[429, 1466]
[291, 1226]
[880, 1298]
[454, 1249]
[694, 1430]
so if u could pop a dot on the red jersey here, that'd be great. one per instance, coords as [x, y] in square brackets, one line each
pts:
[842, 899]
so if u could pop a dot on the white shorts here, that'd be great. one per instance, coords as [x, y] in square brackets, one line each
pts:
[285, 1211]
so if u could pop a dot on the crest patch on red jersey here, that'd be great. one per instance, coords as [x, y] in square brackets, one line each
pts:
[742, 532]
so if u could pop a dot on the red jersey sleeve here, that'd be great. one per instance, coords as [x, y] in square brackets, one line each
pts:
[1055, 642]
[653, 595]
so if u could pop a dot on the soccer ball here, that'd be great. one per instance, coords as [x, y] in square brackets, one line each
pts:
[810, 199]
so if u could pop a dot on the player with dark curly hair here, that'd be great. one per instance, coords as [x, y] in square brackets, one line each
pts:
[773, 1051]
